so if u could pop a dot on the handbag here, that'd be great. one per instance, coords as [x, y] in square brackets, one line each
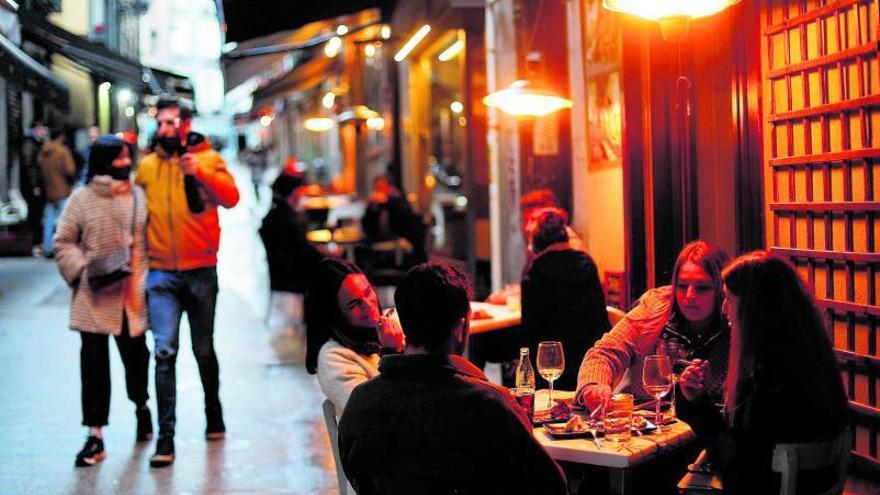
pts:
[114, 266]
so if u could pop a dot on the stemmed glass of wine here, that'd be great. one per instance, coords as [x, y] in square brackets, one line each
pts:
[657, 379]
[551, 362]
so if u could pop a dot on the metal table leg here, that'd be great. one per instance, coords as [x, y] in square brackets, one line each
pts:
[621, 481]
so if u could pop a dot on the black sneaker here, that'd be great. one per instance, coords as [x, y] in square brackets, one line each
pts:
[164, 455]
[215, 429]
[144, 424]
[91, 453]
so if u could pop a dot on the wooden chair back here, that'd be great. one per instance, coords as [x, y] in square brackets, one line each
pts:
[791, 458]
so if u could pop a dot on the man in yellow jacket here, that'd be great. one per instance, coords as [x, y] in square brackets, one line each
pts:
[183, 235]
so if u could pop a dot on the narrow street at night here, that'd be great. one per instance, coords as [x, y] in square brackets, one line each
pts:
[276, 441]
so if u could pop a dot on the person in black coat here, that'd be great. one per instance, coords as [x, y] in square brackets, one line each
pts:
[562, 298]
[389, 215]
[292, 260]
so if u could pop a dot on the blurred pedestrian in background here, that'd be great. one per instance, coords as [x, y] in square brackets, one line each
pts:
[59, 172]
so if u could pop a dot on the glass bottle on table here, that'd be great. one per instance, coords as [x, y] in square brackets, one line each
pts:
[551, 363]
[657, 380]
[525, 383]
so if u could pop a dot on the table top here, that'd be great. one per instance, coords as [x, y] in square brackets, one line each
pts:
[501, 317]
[343, 235]
[613, 454]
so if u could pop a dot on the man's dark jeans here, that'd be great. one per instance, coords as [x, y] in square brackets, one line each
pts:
[169, 294]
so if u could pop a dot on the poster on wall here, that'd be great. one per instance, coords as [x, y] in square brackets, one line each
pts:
[603, 53]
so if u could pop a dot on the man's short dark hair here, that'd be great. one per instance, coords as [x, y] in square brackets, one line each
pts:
[430, 300]
[186, 111]
[550, 229]
[55, 133]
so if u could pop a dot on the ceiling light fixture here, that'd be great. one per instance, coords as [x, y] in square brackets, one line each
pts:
[453, 50]
[319, 124]
[411, 43]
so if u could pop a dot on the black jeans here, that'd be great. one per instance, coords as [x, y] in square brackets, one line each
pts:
[94, 367]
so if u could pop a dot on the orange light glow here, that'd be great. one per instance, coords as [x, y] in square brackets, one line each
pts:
[451, 52]
[654, 10]
[319, 124]
[525, 99]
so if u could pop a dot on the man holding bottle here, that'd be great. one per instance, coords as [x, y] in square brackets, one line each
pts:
[184, 186]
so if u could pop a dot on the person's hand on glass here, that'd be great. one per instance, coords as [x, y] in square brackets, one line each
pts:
[692, 380]
[595, 395]
[390, 333]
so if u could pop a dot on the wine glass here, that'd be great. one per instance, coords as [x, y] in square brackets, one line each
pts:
[678, 357]
[550, 363]
[657, 379]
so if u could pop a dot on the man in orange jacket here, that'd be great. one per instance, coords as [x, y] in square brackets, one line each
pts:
[182, 242]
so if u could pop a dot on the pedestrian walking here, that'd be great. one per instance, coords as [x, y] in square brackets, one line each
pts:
[182, 247]
[59, 170]
[101, 253]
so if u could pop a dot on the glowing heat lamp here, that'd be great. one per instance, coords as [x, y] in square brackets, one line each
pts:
[319, 124]
[526, 99]
[673, 15]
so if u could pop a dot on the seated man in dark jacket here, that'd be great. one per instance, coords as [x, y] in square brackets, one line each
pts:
[562, 298]
[431, 422]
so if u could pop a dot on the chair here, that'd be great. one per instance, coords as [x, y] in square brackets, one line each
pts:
[332, 430]
[614, 314]
[789, 459]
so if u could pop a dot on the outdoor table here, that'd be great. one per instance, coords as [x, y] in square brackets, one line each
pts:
[342, 239]
[620, 458]
[502, 317]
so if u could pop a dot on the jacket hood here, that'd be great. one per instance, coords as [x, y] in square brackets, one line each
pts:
[560, 267]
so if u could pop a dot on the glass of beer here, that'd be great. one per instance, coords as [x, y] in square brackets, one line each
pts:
[619, 418]
[525, 397]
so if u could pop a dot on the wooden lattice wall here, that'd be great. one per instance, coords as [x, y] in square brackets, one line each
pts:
[821, 110]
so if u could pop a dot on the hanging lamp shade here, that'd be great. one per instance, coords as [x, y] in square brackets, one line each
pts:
[673, 15]
[524, 98]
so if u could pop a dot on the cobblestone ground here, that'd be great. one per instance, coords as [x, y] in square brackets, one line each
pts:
[276, 441]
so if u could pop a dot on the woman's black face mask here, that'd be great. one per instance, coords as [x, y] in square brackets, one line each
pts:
[120, 173]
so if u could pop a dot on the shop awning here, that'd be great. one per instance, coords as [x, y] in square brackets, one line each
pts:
[306, 76]
[93, 57]
[237, 71]
[167, 82]
[31, 76]
[246, 19]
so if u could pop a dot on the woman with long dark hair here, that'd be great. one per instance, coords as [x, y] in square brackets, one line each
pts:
[345, 331]
[686, 313]
[101, 252]
[783, 385]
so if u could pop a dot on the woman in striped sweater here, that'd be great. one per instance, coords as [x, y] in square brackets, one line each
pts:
[106, 217]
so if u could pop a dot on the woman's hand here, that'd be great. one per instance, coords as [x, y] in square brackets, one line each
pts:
[692, 381]
[595, 395]
[391, 334]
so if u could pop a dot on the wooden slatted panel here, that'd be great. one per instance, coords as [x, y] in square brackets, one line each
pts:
[822, 153]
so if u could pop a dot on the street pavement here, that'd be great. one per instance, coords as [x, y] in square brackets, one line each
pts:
[276, 439]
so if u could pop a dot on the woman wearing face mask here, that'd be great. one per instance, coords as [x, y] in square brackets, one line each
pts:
[687, 313]
[345, 331]
[105, 222]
